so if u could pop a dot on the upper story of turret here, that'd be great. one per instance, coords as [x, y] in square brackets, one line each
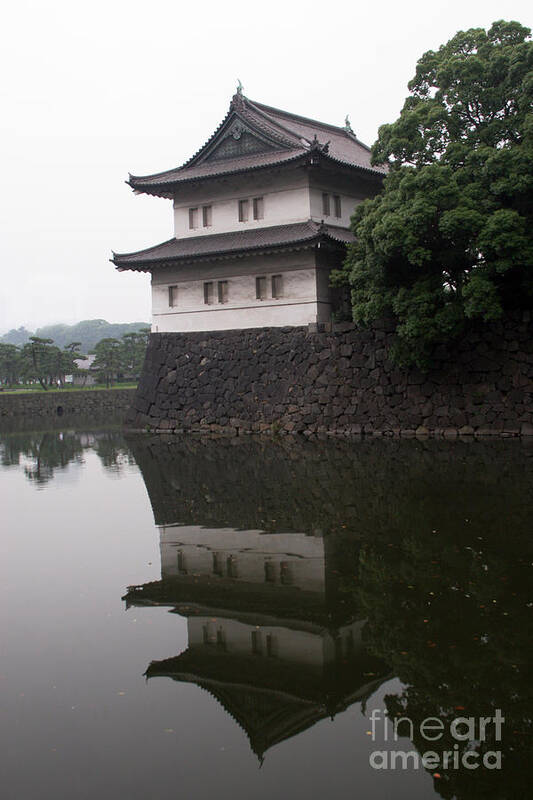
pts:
[261, 217]
[264, 167]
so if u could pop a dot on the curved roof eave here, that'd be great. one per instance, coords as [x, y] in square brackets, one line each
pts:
[168, 188]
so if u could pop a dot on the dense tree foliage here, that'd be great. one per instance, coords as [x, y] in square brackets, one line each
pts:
[450, 238]
[108, 360]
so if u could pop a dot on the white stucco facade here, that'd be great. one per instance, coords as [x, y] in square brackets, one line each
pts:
[295, 201]
[303, 289]
[284, 202]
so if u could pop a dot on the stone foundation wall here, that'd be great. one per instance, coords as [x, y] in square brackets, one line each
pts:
[294, 380]
[58, 403]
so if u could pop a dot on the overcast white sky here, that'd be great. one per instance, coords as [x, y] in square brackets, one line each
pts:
[91, 92]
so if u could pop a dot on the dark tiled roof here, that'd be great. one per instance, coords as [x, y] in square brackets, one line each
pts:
[233, 244]
[287, 137]
[211, 168]
[343, 144]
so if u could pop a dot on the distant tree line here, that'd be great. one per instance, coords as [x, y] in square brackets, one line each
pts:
[88, 332]
[41, 361]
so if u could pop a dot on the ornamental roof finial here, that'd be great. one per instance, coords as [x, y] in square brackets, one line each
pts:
[240, 87]
[347, 126]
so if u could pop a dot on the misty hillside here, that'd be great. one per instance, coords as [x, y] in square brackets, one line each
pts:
[88, 332]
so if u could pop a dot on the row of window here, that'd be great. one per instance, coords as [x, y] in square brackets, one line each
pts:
[218, 639]
[257, 205]
[261, 290]
[274, 572]
[194, 216]
[331, 206]
[268, 644]
[326, 205]
[258, 209]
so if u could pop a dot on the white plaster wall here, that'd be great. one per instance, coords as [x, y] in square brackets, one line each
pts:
[249, 551]
[348, 204]
[286, 199]
[299, 304]
[281, 207]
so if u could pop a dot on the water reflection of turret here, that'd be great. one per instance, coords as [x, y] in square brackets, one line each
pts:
[270, 636]
[267, 636]
[429, 541]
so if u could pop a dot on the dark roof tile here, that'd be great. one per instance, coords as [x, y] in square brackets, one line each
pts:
[234, 243]
[290, 135]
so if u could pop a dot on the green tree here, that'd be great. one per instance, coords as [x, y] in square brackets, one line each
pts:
[40, 360]
[133, 351]
[10, 364]
[69, 354]
[108, 360]
[450, 238]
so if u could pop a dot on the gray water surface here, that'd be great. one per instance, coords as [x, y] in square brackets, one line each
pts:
[195, 618]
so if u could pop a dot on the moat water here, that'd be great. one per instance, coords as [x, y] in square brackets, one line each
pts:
[247, 619]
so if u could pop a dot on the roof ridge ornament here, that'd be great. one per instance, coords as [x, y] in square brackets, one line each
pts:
[318, 146]
[237, 101]
[347, 125]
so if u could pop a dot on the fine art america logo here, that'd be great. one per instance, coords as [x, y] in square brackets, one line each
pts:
[466, 730]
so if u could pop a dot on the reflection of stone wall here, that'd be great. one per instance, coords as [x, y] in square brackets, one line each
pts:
[291, 380]
[334, 487]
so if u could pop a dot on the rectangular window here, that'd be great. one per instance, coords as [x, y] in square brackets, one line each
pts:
[256, 643]
[337, 205]
[222, 291]
[259, 208]
[217, 565]
[172, 296]
[207, 216]
[193, 218]
[271, 645]
[243, 210]
[285, 573]
[270, 572]
[277, 286]
[260, 288]
[208, 293]
[231, 567]
[221, 639]
[325, 204]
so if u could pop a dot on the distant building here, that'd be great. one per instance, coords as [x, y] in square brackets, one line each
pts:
[86, 379]
[261, 217]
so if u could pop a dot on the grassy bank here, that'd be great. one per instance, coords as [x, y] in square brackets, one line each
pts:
[66, 389]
